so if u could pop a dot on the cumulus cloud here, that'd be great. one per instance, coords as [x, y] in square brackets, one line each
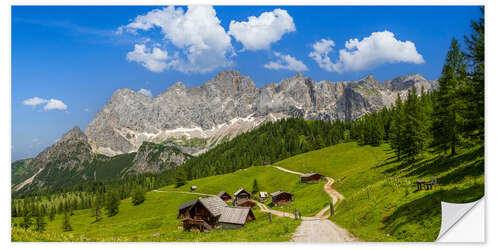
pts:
[201, 42]
[379, 48]
[320, 54]
[259, 32]
[55, 104]
[146, 93]
[286, 62]
[49, 104]
[34, 101]
[154, 60]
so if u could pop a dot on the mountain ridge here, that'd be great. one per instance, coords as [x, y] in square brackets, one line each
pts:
[230, 103]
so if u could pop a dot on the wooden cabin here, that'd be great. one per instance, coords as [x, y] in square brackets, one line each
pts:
[263, 196]
[184, 209]
[310, 177]
[241, 194]
[204, 214]
[281, 197]
[244, 203]
[224, 196]
[235, 217]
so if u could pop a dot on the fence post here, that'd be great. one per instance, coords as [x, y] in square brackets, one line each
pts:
[367, 193]
[270, 217]
[331, 209]
[296, 217]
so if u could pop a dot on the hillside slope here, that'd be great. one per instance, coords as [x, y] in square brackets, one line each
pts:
[381, 198]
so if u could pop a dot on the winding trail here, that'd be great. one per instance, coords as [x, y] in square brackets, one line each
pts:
[312, 229]
[319, 228]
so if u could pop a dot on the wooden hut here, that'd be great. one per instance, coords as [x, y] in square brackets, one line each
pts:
[244, 203]
[263, 196]
[241, 194]
[310, 177]
[224, 196]
[193, 188]
[204, 214]
[281, 197]
[184, 209]
[235, 217]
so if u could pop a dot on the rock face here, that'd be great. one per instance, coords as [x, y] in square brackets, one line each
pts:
[154, 158]
[230, 104]
[69, 154]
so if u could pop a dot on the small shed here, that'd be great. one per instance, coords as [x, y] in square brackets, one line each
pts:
[235, 217]
[263, 196]
[241, 194]
[224, 196]
[310, 177]
[193, 188]
[244, 203]
[184, 209]
[281, 197]
[204, 214]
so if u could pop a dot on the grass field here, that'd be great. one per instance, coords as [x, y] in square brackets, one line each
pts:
[308, 198]
[392, 209]
[156, 215]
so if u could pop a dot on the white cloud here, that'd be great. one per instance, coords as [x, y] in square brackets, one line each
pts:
[259, 32]
[55, 104]
[49, 104]
[86, 110]
[154, 60]
[146, 93]
[196, 33]
[372, 51]
[320, 54]
[35, 101]
[286, 62]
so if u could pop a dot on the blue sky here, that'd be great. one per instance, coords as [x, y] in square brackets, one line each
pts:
[73, 58]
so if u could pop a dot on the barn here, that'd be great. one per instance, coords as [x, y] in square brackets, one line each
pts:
[204, 214]
[310, 177]
[224, 196]
[235, 217]
[241, 194]
[281, 197]
[184, 209]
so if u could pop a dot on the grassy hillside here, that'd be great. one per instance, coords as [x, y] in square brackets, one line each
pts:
[308, 198]
[156, 215]
[392, 209]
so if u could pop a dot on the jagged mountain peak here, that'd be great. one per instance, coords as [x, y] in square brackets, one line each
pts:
[74, 134]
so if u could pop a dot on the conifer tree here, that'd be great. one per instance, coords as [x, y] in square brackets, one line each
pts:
[138, 195]
[448, 121]
[40, 223]
[413, 130]
[27, 220]
[112, 202]
[66, 226]
[180, 177]
[396, 128]
[255, 188]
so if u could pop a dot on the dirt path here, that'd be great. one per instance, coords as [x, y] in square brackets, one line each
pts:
[182, 192]
[318, 228]
[321, 230]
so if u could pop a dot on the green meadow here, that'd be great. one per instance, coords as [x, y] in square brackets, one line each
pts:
[382, 202]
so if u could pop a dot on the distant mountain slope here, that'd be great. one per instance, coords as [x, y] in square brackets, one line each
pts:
[231, 104]
[71, 161]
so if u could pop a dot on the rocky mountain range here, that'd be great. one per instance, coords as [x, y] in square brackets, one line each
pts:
[230, 104]
[135, 134]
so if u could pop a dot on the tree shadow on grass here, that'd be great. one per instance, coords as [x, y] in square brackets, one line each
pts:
[420, 219]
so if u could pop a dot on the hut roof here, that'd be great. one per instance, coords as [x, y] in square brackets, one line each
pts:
[214, 204]
[240, 191]
[309, 174]
[234, 215]
[278, 193]
[187, 204]
[221, 193]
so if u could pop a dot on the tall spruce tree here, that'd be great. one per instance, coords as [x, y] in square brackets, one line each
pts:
[112, 202]
[413, 130]
[396, 128]
[474, 90]
[449, 107]
[66, 226]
